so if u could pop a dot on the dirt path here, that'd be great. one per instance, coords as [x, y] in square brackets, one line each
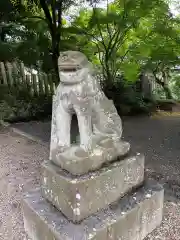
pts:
[20, 163]
[19, 171]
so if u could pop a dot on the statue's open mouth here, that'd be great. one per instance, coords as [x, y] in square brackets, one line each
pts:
[69, 69]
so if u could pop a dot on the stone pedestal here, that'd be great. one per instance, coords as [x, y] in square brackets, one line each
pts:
[113, 202]
[130, 218]
[77, 197]
[94, 189]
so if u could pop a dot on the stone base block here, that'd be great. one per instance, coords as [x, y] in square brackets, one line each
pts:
[79, 197]
[77, 161]
[131, 218]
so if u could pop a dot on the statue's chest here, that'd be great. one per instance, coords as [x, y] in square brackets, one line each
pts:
[69, 93]
[76, 89]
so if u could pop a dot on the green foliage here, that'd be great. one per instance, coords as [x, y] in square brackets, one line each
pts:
[130, 37]
[175, 85]
[19, 105]
[128, 99]
[126, 38]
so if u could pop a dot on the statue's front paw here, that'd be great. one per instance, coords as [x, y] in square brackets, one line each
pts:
[61, 149]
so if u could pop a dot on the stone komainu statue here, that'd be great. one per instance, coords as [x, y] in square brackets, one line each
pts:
[79, 93]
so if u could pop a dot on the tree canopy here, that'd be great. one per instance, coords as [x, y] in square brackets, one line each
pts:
[124, 37]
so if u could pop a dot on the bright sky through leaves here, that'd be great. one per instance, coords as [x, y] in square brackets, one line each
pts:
[73, 11]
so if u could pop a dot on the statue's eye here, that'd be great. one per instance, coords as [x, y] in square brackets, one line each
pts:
[64, 57]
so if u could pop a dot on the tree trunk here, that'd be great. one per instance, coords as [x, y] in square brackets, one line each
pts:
[54, 31]
[2, 34]
[165, 86]
[145, 86]
[167, 91]
[55, 63]
[55, 56]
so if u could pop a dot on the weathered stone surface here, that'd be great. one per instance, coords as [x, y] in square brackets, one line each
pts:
[77, 161]
[80, 93]
[79, 197]
[131, 218]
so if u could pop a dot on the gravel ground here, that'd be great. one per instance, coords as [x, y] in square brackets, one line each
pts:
[158, 139]
[19, 172]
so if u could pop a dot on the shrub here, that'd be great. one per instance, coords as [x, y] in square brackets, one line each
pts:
[128, 99]
[17, 104]
[20, 105]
